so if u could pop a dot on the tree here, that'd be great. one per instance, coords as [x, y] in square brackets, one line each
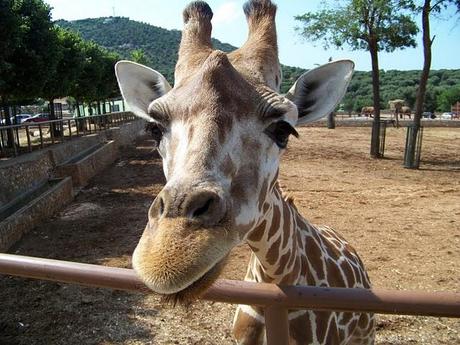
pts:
[426, 9]
[69, 53]
[431, 98]
[90, 75]
[448, 97]
[139, 56]
[372, 25]
[96, 81]
[26, 56]
[33, 58]
[9, 38]
[108, 87]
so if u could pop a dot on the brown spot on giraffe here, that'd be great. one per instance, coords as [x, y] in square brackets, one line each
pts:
[256, 234]
[273, 253]
[248, 330]
[275, 223]
[299, 331]
[282, 264]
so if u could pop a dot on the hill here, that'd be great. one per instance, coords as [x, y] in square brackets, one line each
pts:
[160, 47]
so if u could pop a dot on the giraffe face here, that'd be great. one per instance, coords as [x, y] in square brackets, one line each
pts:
[220, 143]
[220, 131]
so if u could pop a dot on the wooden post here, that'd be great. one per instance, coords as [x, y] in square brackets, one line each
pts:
[277, 325]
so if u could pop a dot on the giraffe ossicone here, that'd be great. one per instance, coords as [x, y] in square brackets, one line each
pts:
[221, 131]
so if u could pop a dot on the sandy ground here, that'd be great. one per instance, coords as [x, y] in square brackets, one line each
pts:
[404, 223]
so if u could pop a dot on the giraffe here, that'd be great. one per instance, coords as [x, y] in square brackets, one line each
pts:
[221, 131]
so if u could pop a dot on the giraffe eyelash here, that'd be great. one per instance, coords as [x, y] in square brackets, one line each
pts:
[279, 132]
[155, 130]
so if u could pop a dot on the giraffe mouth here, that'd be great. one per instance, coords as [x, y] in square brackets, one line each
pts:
[196, 289]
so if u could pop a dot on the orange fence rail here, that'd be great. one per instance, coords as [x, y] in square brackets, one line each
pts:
[276, 300]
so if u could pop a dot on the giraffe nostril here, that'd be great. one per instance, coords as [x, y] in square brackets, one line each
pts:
[203, 209]
[205, 206]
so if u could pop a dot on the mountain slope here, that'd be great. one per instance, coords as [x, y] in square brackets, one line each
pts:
[160, 46]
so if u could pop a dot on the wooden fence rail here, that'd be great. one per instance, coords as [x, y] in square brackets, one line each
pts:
[276, 300]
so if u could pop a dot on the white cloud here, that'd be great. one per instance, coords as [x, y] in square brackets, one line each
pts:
[227, 13]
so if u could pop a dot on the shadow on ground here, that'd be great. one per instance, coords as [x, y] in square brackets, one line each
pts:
[101, 226]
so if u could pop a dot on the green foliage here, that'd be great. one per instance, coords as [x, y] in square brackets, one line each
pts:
[372, 25]
[29, 51]
[290, 75]
[448, 97]
[150, 45]
[138, 55]
[358, 22]
[68, 51]
[153, 41]
[96, 80]
[10, 37]
[39, 59]
[160, 46]
[399, 85]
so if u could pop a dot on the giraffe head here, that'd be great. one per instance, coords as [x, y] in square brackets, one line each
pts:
[221, 131]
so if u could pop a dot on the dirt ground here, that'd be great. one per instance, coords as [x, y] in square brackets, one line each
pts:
[404, 223]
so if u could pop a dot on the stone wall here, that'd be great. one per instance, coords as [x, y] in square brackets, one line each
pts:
[21, 174]
[83, 167]
[56, 195]
[29, 192]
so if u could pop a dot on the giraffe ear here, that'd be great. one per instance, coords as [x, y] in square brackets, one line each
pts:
[139, 86]
[318, 92]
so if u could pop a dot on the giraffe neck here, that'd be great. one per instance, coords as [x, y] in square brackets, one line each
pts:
[287, 250]
[277, 243]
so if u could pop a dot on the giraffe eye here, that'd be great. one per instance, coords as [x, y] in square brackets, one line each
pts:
[279, 132]
[155, 130]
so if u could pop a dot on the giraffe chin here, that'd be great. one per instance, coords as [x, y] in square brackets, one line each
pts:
[195, 290]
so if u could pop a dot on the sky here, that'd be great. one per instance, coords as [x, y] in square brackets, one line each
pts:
[229, 26]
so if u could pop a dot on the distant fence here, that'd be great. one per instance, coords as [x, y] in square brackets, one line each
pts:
[28, 136]
[276, 300]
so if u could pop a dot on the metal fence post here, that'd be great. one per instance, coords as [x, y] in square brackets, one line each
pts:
[277, 325]
[412, 154]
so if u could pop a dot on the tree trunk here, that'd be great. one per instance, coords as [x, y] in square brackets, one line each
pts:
[55, 127]
[375, 138]
[99, 112]
[104, 109]
[420, 100]
[51, 108]
[9, 132]
[331, 120]
[78, 108]
[427, 42]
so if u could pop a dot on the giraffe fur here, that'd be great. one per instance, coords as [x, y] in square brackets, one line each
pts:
[221, 131]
